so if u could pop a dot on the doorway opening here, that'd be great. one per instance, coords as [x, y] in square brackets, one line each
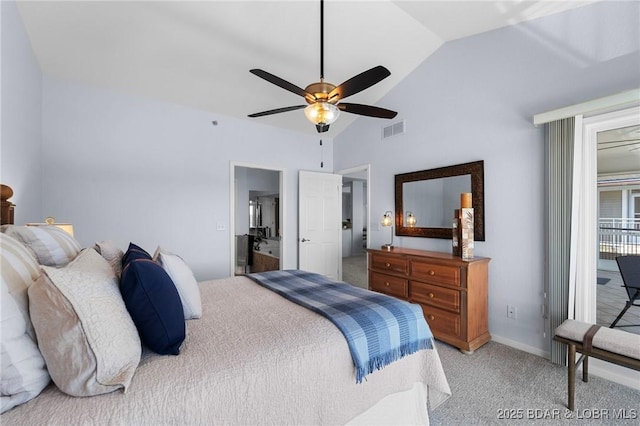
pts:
[257, 219]
[591, 301]
[618, 168]
[355, 220]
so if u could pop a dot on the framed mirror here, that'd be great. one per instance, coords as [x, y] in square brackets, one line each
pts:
[429, 198]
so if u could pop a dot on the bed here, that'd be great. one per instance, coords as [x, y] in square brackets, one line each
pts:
[252, 357]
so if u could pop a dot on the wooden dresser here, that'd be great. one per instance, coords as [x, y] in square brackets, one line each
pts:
[453, 292]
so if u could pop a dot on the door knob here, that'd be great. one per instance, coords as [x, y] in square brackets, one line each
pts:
[304, 240]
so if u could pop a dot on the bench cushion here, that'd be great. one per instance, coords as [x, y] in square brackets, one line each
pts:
[607, 339]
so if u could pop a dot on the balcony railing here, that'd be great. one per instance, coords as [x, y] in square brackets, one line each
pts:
[619, 237]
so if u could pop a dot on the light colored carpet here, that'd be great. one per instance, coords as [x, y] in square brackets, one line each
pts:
[354, 270]
[497, 383]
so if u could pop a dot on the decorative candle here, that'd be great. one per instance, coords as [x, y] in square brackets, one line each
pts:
[465, 200]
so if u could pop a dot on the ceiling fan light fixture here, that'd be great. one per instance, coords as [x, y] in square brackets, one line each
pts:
[322, 113]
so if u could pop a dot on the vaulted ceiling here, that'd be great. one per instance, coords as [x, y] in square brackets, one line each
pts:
[198, 53]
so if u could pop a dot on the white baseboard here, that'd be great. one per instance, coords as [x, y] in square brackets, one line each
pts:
[605, 370]
[614, 373]
[521, 346]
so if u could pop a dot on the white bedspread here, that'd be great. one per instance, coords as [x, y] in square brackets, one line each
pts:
[253, 358]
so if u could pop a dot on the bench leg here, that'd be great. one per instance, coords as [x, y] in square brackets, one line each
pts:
[572, 375]
[585, 369]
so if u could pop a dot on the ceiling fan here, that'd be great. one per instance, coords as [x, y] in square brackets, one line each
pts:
[324, 98]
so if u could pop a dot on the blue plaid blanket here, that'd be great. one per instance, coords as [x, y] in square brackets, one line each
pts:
[379, 329]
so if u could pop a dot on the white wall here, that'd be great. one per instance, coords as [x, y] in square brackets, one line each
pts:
[20, 165]
[474, 99]
[131, 169]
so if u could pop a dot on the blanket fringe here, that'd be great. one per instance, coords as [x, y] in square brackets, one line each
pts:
[381, 361]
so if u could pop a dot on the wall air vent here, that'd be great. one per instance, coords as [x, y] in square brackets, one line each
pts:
[393, 130]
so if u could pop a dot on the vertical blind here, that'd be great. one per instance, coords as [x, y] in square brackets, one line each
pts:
[560, 152]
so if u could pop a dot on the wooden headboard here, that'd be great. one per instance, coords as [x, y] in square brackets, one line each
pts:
[7, 206]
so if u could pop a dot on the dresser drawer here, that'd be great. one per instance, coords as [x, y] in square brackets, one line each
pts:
[440, 297]
[387, 284]
[389, 263]
[434, 273]
[442, 322]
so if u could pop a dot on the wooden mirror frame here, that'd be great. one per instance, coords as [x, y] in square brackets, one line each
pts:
[475, 169]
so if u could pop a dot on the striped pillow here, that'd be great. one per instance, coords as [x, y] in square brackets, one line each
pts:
[23, 369]
[50, 245]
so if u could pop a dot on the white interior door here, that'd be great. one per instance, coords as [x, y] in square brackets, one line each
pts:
[320, 226]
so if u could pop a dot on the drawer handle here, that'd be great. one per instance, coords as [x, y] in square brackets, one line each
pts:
[432, 273]
[388, 265]
[387, 283]
[431, 317]
[431, 295]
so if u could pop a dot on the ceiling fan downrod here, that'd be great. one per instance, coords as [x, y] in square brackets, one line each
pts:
[321, 40]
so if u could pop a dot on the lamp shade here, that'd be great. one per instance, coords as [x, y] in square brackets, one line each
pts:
[50, 221]
[387, 219]
[411, 220]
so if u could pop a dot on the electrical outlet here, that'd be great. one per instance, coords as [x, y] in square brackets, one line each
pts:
[220, 226]
[512, 312]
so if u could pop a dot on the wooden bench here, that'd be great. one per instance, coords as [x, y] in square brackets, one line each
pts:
[611, 345]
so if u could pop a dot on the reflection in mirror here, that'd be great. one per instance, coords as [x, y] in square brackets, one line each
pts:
[254, 214]
[419, 199]
[432, 196]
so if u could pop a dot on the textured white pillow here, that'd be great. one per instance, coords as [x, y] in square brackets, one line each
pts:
[85, 333]
[23, 371]
[50, 245]
[183, 279]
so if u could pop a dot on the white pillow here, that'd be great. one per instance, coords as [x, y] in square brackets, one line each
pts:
[50, 245]
[86, 336]
[24, 374]
[183, 279]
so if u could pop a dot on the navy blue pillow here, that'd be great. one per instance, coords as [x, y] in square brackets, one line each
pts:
[154, 305]
[134, 252]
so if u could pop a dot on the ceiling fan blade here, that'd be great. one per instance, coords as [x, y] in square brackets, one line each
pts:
[368, 110]
[276, 111]
[360, 82]
[281, 83]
